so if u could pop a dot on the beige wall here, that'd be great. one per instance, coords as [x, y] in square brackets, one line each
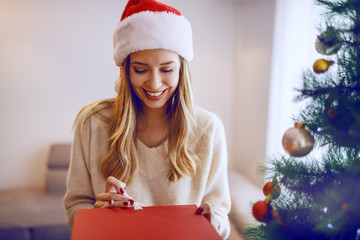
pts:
[56, 56]
[255, 20]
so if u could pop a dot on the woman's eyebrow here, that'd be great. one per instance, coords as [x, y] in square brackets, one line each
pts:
[166, 63]
[139, 63]
[144, 64]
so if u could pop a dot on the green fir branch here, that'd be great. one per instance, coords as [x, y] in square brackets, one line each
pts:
[345, 8]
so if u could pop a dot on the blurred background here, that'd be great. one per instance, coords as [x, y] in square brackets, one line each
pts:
[56, 56]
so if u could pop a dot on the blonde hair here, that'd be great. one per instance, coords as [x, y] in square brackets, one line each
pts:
[121, 160]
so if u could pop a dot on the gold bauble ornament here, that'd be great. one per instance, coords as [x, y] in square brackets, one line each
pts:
[298, 141]
[322, 65]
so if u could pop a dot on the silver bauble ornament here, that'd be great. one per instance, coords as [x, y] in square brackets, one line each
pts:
[298, 141]
[328, 42]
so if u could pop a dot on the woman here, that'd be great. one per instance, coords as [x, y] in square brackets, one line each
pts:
[149, 144]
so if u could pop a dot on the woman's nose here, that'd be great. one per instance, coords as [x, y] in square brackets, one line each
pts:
[154, 81]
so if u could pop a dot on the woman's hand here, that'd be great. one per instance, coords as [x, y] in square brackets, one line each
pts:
[114, 195]
[205, 209]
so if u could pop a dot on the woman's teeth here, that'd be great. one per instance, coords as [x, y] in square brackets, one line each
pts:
[154, 94]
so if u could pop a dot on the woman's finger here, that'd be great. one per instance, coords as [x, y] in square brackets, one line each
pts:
[124, 204]
[108, 196]
[114, 185]
[204, 209]
[101, 204]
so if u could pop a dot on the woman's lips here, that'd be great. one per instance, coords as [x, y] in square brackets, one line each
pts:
[154, 95]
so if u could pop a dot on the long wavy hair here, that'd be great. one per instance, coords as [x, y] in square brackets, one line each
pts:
[121, 160]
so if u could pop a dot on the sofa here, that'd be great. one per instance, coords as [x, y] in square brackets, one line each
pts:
[243, 194]
[28, 214]
[32, 214]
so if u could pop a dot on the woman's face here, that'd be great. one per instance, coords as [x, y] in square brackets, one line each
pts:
[154, 76]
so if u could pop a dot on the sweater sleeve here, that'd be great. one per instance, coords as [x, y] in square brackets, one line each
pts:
[79, 193]
[217, 192]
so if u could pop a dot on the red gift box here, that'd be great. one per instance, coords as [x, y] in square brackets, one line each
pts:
[178, 222]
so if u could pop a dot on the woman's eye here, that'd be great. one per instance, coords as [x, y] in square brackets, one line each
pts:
[139, 71]
[167, 70]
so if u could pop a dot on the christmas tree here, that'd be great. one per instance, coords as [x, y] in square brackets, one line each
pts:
[317, 196]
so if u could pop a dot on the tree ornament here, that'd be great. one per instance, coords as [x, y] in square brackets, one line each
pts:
[345, 207]
[328, 42]
[262, 211]
[331, 113]
[298, 141]
[272, 188]
[322, 65]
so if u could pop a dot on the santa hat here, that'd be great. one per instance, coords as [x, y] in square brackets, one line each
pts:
[148, 24]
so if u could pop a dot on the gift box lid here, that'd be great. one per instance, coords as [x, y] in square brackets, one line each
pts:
[155, 222]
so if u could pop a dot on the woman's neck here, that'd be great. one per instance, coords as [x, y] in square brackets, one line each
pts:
[152, 126]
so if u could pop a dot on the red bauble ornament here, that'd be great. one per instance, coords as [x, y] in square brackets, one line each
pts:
[267, 188]
[331, 113]
[272, 188]
[262, 211]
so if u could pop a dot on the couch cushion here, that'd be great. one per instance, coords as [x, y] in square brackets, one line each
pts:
[59, 156]
[56, 181]
[31, 208]
[51, 232]
[59, 159]
[13, 232]
[234, 233]
[243, 194]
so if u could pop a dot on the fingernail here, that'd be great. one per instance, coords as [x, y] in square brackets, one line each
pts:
[125, 203]
[131, 201]
[199, 211]
[121, 191]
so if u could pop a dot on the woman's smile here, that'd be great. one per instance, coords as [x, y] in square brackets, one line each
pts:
[155, 95]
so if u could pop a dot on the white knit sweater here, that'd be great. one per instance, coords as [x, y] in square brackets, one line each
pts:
[150, 186]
